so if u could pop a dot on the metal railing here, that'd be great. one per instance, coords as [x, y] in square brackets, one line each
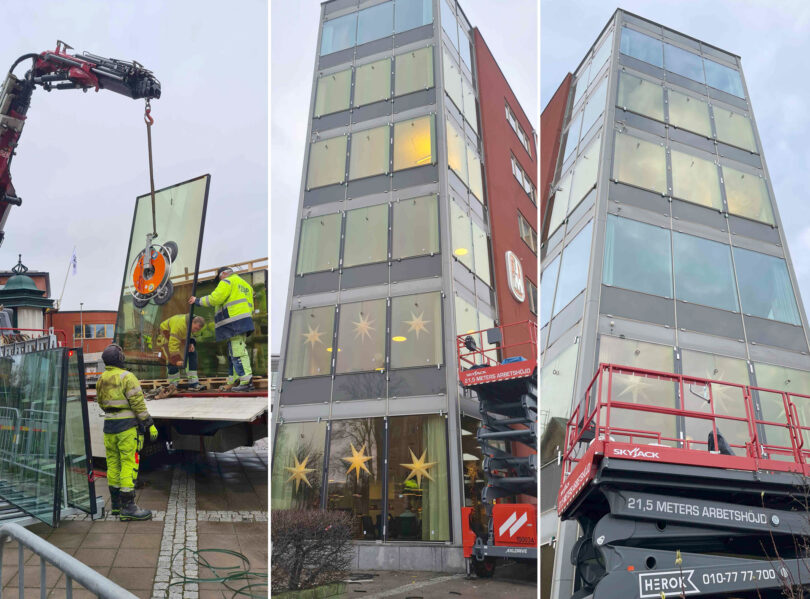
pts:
[73, 569]
[510, 341]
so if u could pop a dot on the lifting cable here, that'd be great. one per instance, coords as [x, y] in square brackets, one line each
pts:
[147, 117]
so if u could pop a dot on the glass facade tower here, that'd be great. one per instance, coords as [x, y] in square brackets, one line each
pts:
[661, 246]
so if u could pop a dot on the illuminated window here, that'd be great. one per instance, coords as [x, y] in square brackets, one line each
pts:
[456, 151]
[327, 162]
[333, 93]
[361, 337]
[298, 465]
[309, 344]
[461, 235]
[416, 330]
[414, 143]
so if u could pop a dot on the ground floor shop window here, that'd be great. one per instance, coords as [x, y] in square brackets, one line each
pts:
[298, 466]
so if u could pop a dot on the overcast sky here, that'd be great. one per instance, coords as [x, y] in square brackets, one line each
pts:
[773, 41]
[508, 26]
[82, 158]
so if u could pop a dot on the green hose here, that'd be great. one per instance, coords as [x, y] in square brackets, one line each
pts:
[239, 572]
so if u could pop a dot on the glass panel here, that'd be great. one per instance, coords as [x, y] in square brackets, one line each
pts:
[461, 235]
[704, 273]
[179, 213]
[689, 113]
[375, 22]
[416, 330]
[319, 248]
[297, 466]
[416, 227]
[481, 250]
[452, 80]
[327, 162]
[464, 50]
[684, 63]
[414, 71]
[747, 195]
[527, 234]
[734, 129]
[572, 136]
[585, 171]
[474, 480]
[574, 268]
[339, 34]
[637, 257]
[474, 168]
[601, 56]
[410, 14]
[559, 208]
[781, 378]
[696, 180]
[582, 84]
[99, 334]
[366, 239]
[456, 151]
[361, 337]
[449, 22]
[557, 383]
[372, 82]
[309, 346]
[413, 143]
[356, 464]
[78, 460]
[333, 93]
[466, 317]
[595, 106]
[88, 331]
[370, 152]
[642, 47]
[765, 288]
[531, 295]
[470, 108]
[110, 331]
[77, 331]
[641, 96]
[723, 78]
[640, 163]
[548, 282]
[418, 493]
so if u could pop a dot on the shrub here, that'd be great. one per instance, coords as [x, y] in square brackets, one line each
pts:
[308, 548]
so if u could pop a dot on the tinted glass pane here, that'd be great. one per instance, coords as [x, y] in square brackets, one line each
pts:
[747, 195]
[88, 331]
[416, 330]
[531, 296]
[585, 171]
[464, 50]
[410, 14]
[414, 71]
[449, 22]
[369, 154]
[418, 492]
[557, 383]
[684, 63]
[77, 331]
[781, 378]
[559, 208]
[640, 163]
[474, 168]
[375, 22]
[601, 56]
[452, 80]
[576, 257]
[339, 34]
[637, 257]
[356, 464]
[461, 234]
[319, 248]
[99, 333]
[309, 346]
[642, 47]
[481, 247]
[703, 272]
[361, 336]
[179, 213]
[333, 93]
[695, 180]
[547, 284]
[466, 317]
[723, 78]
[297, 466]
[413, 143]
[765, 288]
[470, 107]
[641, 96]
[78, 461]
[572, 136]
[366, 236]
[734, 129]
[689, 113]
[416, 227]
[595, 107]
[372, 82]
[456, 151]
[327, 162]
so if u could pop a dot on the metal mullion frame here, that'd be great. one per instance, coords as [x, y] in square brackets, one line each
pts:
[325, 466]
[197, 267]
[384, 518]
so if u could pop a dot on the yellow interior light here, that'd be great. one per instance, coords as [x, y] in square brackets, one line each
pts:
[461, 252]
[399, 338]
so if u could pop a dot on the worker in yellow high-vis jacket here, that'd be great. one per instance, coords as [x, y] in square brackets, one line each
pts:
[172, 343]
[118, 393]
[233, 322]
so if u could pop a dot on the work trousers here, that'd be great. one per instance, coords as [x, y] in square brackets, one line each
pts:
[191, 364]
[239, 363]
[122, 458]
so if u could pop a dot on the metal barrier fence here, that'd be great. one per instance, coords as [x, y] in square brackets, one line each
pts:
[73, 569]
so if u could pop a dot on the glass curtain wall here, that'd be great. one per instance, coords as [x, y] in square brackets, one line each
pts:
[298, 466]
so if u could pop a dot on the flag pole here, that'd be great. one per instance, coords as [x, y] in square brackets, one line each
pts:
[70, 263]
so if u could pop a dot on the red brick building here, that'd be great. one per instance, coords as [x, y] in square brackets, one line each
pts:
[90, 329]
[551, 122]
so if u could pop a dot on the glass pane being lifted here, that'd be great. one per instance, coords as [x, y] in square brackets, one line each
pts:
[151, 294]
[79, 485]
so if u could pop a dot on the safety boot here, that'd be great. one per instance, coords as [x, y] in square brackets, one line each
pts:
[130, 510]
[115, 501]
[243, 387]
[227, 387]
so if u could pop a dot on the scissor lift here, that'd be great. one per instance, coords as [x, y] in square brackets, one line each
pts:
[504, 376]
[664, 514]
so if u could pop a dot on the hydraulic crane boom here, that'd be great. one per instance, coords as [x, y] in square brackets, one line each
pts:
[59, 70]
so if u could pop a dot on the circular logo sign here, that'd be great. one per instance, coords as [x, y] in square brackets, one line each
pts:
[514, 274]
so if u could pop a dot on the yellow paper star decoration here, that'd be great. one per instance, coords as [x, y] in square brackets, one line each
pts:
[313, 336]
[419, 468]
[363, 328]
[357, 461]
[299, 472]
[417, 324]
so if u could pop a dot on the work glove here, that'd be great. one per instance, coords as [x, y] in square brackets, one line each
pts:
[140, 442]
[153, 433]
